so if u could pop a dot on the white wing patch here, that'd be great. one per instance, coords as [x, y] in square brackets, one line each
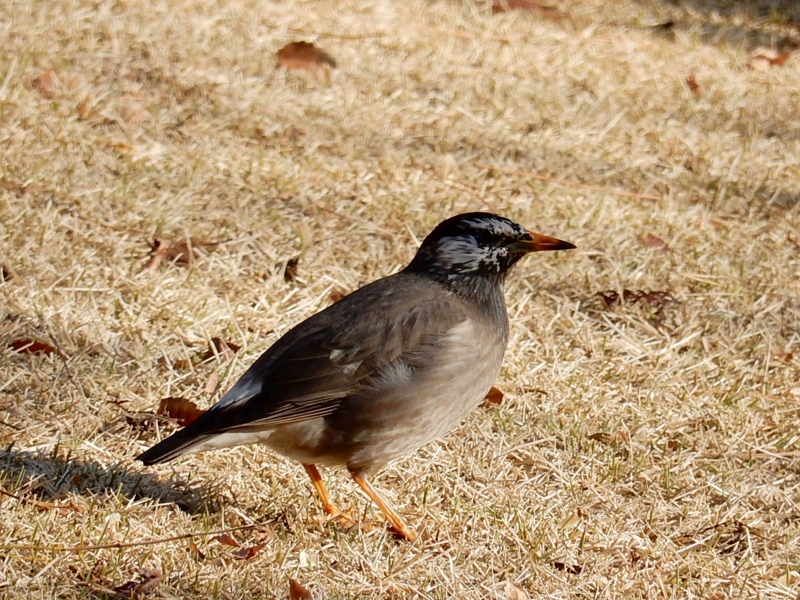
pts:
[348, 369]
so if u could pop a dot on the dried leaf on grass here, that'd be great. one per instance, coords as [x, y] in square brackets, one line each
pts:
[248, 552]
[195, 552]
[222, 348]
[290, 270]
[6, 274]
[336, 295]
[182, 410]
[226, 539]
[150, 581]
[27, 346]
[45, 83]
[165, 250]
[495, 396]
[571, 569]
[514, 592]
[657, 300]
[691, 82]
[304, 55]
[212, 385]
[297, 591]
[652, 241]
[610, 438]
[762, 59]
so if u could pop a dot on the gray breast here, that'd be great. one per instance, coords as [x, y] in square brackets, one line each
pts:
[408, 408]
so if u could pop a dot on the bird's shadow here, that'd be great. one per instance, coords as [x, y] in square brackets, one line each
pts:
[57, 475]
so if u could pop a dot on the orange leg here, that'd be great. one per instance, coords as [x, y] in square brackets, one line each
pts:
[397, 523]
[327, 505]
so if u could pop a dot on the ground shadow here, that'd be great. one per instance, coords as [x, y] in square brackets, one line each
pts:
[57, 475]
[769, 23]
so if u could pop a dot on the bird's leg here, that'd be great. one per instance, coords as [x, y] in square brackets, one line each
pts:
[327, 505]
[398, 524]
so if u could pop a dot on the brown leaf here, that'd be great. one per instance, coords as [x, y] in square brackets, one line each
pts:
[290, 270]
[195, 552]
[609, 438]
[182, 410]
[652, 241]
[335, 296]
[602, 437]
[495, 396]
[304, 55]
[245, 553]
[513, 592]
[26, 346]
[761, 59]
[219, 347]
[45, 83]
[501, 6]
[227, 539]
[691, 83]
[571, 569]
[657, 300]
[6, 274]
[150, 581]
[212, 385]
[297, 591]
[162, 249]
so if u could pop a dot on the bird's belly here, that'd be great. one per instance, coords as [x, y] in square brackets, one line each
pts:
[424, 404]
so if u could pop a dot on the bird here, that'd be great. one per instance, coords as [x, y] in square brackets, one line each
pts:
[382, 371]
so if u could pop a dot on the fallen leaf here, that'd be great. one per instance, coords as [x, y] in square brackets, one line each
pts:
[226, 539]
[602, 437]
[335, 296]
[761, 59]
[219, 347]
[45, 83]
[514, 592]
[182, 410]
[212, 385]
[290, 270]
[657, 300]
[609, 438]
[141, 422]
[298, 591]
[495, 396]
[304, 55]
[150, 580]
[571, 569]
[162, 249]
[652, 241]
[501, 6]
[691, 83]
[25, 346]
[245, 553]
[195, 552]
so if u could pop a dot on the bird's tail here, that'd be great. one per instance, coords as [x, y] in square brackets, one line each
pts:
[179, 443]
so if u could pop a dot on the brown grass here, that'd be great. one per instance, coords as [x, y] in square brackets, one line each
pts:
[638, 453]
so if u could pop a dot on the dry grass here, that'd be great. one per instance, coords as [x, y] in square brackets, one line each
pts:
[638, 453]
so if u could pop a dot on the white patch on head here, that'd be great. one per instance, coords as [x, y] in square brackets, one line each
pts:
[464, 253]
[497, 226]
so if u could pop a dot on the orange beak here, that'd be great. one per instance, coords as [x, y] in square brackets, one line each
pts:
[539, 243]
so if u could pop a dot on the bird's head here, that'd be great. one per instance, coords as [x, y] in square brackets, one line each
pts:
[478, 245]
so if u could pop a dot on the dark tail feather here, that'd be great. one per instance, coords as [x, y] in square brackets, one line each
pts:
[179, 443]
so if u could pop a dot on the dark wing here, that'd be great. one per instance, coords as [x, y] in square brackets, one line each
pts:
[326, 358]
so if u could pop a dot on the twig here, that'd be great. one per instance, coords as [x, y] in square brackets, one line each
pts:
[595, 188]
[119, 545]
